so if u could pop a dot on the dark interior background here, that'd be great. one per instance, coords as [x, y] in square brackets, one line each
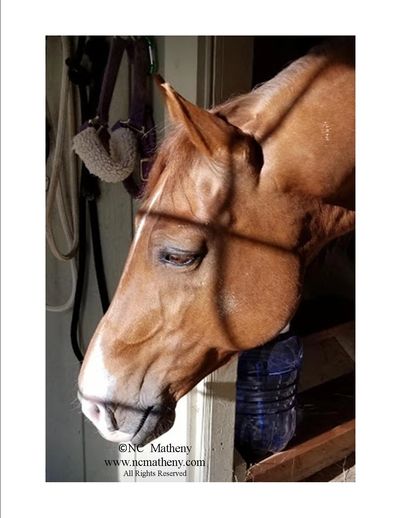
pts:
[273, 53]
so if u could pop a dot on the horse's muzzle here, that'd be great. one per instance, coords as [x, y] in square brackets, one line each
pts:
[125, 423]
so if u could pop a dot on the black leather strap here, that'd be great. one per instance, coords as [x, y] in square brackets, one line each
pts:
[96, 51]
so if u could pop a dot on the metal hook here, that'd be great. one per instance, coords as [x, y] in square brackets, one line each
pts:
[152, 54]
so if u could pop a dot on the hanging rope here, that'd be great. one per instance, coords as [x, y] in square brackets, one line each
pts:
[62, 194]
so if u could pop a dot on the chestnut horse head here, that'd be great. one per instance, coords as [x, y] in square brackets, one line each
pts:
[240, 199]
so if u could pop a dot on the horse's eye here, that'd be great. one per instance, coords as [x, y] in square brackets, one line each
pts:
[178, 258]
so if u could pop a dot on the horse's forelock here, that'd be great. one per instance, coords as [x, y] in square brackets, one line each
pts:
[178, 152]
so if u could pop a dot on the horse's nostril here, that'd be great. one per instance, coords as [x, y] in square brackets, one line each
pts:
[100, 414]
[91, 410]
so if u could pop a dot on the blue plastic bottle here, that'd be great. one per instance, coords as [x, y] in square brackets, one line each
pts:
[266, 397]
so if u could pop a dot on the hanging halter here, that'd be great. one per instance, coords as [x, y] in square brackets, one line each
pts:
[116, 156]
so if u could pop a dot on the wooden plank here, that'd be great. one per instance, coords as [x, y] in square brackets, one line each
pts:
[307, 458]
[345, 331]
[328, 354]
[345, 335]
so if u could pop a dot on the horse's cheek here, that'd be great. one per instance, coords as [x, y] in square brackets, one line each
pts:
[259, 297]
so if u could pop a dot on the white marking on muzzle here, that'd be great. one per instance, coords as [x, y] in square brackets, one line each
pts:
[96, 381]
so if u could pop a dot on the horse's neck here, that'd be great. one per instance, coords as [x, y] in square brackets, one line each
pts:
[304, 121]
[260, 111]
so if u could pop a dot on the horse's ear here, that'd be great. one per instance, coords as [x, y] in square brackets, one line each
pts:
[208, 132]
